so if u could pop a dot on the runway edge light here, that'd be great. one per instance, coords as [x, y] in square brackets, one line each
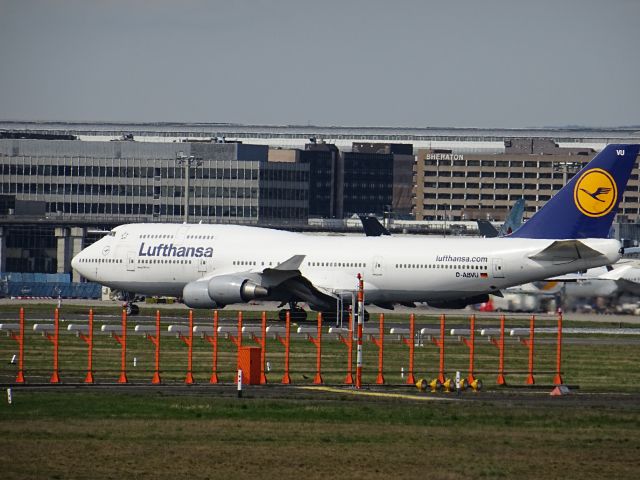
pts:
[476, 385]
[435, 385]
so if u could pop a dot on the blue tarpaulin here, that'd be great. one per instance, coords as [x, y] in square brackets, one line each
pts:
[52, 285]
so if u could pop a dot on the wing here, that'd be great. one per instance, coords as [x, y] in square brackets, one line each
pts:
[287, 284]
[284, 283]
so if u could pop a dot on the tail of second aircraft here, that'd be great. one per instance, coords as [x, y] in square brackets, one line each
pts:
[585, 207]
[514, 219]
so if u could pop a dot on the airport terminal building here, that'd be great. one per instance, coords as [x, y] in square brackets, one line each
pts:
[478, 186]
[129, 181]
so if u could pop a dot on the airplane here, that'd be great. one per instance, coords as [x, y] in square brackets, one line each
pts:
[510, 225]
[211, 266]
[372, 226]
[626, 277]
[621, 278]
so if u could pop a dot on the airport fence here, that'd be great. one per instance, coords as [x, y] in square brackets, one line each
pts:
[270, 351]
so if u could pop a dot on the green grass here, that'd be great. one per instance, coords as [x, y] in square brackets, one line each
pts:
[87, 434]
[215, 404]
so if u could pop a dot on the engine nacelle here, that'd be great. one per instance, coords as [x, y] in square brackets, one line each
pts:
[196, 295]
[226, 289]
[222, 290]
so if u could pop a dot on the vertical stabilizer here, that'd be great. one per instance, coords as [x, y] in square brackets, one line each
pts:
[586, 206]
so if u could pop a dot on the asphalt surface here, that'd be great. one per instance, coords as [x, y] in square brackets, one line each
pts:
[373, 310]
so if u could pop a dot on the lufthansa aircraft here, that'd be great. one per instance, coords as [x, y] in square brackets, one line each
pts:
[211, 266]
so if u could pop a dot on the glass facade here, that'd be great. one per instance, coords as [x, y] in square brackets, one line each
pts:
[368, 183]
[322, 172]
[146, 182]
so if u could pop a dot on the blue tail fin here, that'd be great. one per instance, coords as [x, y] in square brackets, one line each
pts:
[585, 207]
[514, 219]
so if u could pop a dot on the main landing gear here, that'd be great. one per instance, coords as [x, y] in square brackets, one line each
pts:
[297, 314]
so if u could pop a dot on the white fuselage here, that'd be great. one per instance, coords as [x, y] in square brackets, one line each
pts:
[160, 259]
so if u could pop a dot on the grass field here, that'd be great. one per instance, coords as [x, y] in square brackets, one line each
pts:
[174, 432]
[128, 435]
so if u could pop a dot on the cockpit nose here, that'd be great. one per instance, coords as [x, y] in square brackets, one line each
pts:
[75, 263]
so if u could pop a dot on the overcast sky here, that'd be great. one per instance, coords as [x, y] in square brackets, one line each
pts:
[466, 63]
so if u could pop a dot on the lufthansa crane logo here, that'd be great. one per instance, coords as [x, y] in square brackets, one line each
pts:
[595, 193]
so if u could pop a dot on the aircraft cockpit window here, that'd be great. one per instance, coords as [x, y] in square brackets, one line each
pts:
[112, 233]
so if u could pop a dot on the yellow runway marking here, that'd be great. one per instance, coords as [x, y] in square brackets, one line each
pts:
[376, 394]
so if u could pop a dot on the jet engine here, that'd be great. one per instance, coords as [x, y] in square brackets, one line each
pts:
[222, 290]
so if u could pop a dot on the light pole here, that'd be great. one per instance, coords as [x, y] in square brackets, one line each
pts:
[187, 161]
[386, 216]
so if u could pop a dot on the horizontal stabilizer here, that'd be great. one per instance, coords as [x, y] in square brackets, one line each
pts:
[616, 273]
[565, 251]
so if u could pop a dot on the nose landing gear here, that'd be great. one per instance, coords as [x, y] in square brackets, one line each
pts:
[128, 305]
[131, 308]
